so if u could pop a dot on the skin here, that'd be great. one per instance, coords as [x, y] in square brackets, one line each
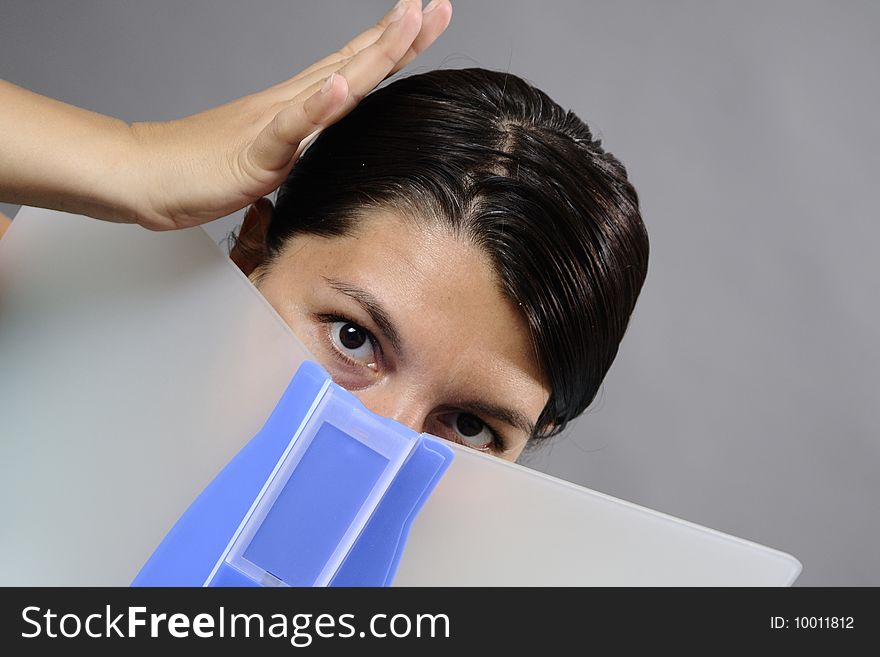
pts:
[176, 174]
[463, 346]
[462, 343]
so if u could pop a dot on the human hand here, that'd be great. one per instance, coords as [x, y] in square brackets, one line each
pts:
[210, 164]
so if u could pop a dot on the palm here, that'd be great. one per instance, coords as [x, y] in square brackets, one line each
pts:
[211, 164]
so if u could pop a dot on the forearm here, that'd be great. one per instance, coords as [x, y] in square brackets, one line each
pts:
[55, 155]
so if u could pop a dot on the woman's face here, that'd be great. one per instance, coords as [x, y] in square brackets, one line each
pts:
[412, 320]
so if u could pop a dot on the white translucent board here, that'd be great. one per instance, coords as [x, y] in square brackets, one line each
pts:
[133, 366]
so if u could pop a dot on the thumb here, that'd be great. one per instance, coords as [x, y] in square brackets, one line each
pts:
[279, 142]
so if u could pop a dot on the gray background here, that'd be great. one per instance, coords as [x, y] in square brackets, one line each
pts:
[744, 397]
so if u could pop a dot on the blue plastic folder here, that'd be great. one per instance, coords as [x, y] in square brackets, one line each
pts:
[323, 495]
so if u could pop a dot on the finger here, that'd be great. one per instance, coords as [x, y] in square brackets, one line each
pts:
[358, 43]
[378, 61]
[435, 20]
[375, 62]
[301, 88]
[275, 147]
[336, 59]
[280, 142]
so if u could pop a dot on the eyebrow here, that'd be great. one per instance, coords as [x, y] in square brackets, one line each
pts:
[380, 316]
[372, 306]
[514, 418]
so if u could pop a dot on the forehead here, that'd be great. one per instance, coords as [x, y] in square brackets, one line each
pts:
[458, 327]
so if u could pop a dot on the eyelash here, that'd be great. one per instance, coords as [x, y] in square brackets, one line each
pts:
[496, 444]
[330, 318]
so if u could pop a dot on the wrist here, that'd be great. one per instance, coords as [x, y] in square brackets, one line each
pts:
[162, 151]
[108, 181]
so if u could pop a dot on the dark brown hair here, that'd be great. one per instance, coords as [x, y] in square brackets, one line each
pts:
[496, 160]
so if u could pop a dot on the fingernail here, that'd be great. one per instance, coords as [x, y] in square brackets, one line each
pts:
[431, 7]
[328, 83]
[399, 11]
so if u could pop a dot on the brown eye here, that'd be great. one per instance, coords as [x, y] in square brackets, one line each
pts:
[353, 341]
[470, 430]
[468, 425]
[352, 336]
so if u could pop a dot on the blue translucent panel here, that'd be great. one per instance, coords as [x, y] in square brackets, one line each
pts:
[316, 507]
